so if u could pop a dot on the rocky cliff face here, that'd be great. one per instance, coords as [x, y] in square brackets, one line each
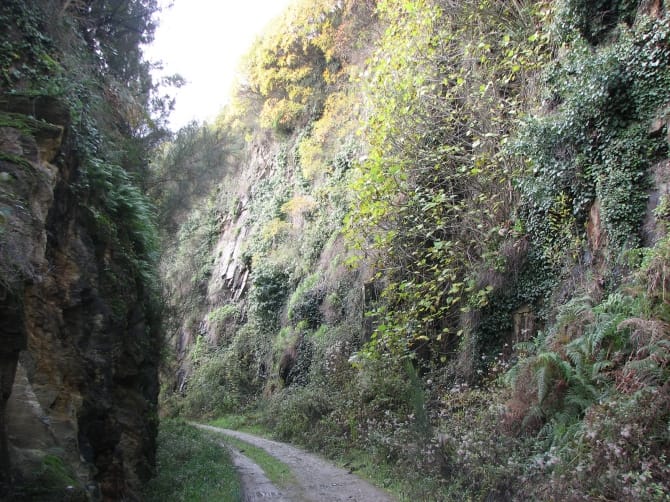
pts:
[78, 357]
[229, 278]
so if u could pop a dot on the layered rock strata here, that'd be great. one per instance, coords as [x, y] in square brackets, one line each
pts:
[78, 355]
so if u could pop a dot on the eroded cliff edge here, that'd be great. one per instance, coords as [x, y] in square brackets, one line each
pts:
[79, 356]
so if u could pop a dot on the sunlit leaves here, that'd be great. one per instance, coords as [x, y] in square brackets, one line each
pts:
[442, 88]
[299, 60]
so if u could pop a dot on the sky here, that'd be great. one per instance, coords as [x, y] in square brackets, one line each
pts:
[203, 41]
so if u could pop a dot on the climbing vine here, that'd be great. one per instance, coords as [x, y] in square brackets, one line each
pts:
[592, 141]
[434, 195]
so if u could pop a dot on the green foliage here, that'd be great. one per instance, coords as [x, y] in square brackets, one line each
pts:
[228, 378]
[269, 196]
[620, 449]
[42, 49]
[295, 410]
[246, 422]
[592, 144]
[191, 466]
[210, 390]
[223, 313]
[433, 196]
[593, 20]
[462, 211]
[597, 365]
[570, 380]
[305, 302]
[268, 295]
[188, 265]
[478, 458]
[26, 54]
[183, 169]
[122, 215]
[417, 400]
[52, 480]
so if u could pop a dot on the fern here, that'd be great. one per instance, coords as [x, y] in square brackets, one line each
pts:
[582, 393]
[574, 352]
[529, 347]
[535, 413]
[599, 367]
[542, 375]
[576, 309]
[549, 367]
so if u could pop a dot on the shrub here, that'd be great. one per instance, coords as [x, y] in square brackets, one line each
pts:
[270, 287]
[294, 412]
[305, 302]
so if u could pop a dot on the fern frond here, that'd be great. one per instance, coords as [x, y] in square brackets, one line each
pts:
[511, 377]
[547, 432]
[574, 309]
[647, 371]
[543, 378]
[566, 369]
[575, 352]
[529, 347]
[644, 331]
[580, 399]
[533, 346]
[598, 367]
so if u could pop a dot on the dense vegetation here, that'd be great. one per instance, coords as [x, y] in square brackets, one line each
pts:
[448, 237]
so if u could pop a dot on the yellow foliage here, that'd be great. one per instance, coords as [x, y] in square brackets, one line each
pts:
[280, 114]
[291, 67]
[312, 158]
[274, 229]
[298, 206]
[337, 123]
[300, 94]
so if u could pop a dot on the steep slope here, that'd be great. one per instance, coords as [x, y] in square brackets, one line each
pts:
[80, 340]
[444, 247]
[262, 232]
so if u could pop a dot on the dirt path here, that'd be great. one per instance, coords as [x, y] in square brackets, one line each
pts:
[318, 480]
[255, 484]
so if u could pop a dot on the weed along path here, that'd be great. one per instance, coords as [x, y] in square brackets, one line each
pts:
[311, 479]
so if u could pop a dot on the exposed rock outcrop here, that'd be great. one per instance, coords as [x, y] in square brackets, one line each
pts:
[79, 415]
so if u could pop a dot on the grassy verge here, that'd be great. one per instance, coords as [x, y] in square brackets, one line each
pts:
[358, 461]
[245, 423]
[191, 467]
[404, 487]
[277, 472]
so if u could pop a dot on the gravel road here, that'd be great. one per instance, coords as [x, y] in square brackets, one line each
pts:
[317, 480]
